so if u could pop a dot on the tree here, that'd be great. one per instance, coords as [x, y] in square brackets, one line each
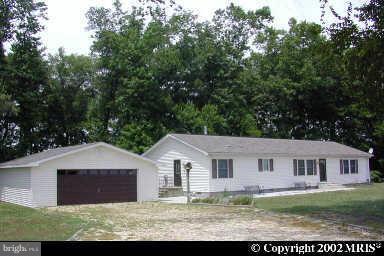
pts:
[22, 76]
[358, 38]
[192, 120]
[124, 47]
[68, 97]
[296, 83]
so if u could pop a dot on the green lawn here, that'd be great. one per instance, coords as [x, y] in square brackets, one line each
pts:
[362, 206]
[22, 223]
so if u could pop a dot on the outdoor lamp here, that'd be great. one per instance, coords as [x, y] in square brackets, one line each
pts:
[188, 167]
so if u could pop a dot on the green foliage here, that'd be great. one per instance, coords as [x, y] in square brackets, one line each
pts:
[376, 176]
[138, 137]
[68, 97]
[206, 200]
[23, 79]
[156, 68]
[190, 119]
[241, 200]
[358, 38]
[235, 200]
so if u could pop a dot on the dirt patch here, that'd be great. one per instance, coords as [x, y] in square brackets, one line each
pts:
[159, 221]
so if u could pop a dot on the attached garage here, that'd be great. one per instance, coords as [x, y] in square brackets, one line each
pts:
[83, 174]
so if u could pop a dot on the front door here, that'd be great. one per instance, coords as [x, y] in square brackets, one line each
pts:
[323, 170]
[177, 173]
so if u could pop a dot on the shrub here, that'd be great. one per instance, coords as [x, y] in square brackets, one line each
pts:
[207, 200]
[196, 200]
[376, 176]
[241, 200]
[210, 200]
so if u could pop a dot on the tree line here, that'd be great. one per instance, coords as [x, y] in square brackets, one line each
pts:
[152, 71]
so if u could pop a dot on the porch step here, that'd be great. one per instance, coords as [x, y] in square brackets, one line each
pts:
[329, 185]
[170, 191]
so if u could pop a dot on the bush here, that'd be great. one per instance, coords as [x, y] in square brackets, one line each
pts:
[207, 200]
[376, 176]
[196, 200]
[241, 200]
[210, 200]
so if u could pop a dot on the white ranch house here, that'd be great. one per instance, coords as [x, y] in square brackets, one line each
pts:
[223, 163]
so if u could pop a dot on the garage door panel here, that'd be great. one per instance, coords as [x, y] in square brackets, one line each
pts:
[96, 186]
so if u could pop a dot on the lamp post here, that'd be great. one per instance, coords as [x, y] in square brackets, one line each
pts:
[188, 167]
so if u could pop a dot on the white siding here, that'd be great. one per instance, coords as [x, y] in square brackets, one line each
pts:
[245, 173]
[15, 186]
[44, 177]
[334, 176]
[169, 150]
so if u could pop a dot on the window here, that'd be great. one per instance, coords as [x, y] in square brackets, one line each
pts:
[93, 172]
[114, 172]
[301, 167]
[222, 168]
[310, 167]
[103, 172]
[123, 172]
[353, 164]
[265, 165]
[349, 166]
[346, 166]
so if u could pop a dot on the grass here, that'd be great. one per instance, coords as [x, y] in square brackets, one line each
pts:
[22, 223]
[362, 206]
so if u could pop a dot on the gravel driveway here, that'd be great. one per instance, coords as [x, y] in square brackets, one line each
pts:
[160, 221]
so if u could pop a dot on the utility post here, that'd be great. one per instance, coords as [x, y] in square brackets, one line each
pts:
[188, 167]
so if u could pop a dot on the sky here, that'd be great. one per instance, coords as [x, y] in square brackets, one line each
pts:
[66, 24]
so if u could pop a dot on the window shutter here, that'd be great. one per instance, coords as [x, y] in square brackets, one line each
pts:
[295, 167]
[230, 174]
[314, 167]
[271, 165]
[341, 166]
[260, 165]
[214, 168]
[357, 166]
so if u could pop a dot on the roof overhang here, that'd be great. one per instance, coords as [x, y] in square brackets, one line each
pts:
[292, 155]
[19, 166]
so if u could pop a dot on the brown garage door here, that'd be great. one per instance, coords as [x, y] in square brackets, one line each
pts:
[96, 186]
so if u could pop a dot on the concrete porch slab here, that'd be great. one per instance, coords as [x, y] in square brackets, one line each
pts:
[299, 192]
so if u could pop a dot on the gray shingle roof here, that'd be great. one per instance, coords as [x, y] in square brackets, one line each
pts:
[33, 158]
[247, 145]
